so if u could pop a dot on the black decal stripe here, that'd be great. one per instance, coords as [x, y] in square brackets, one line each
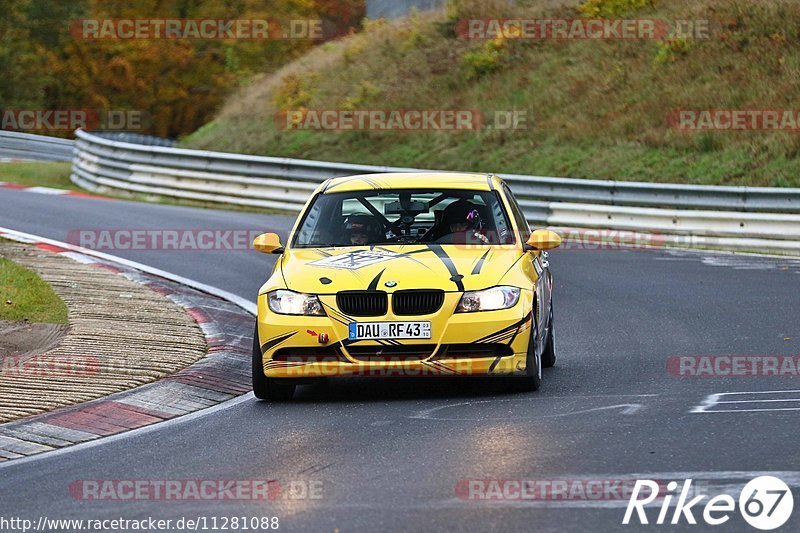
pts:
[415, 261]
[276, 341]
[282, 364]
[506, 329]
[494, 364]
[406, 255]
[479, 265]
[440, 367]
[339, 320]
[373, 285]
[417, 251]
[372, 183]
[520, 328]
[337, 316]
[434, 365]
[491, 338]
[369, 181]
[503, 333]
[455, 277]
[512, 266]
[446, 368]
[499, 338]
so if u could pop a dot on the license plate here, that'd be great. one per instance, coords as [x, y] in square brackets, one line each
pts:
[389, 330]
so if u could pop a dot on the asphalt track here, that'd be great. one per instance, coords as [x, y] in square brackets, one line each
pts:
[390, 453]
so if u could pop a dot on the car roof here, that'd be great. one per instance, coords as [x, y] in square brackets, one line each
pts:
[411, 180]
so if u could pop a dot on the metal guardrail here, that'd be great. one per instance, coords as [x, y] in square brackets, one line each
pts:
[756, 215]
[270, 182]
[752, 218]
[15, 145]
[136, 138]
[30, 147]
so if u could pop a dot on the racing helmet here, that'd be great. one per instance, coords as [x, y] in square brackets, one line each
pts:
[462, 212]
[363, 224]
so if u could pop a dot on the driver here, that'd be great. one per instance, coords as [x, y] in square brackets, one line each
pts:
[462, 218]
[362, 230]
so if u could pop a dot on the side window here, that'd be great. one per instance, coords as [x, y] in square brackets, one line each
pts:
[498, 225]
[519, 216]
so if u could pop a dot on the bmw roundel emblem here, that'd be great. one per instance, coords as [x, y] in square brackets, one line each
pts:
[391, 284]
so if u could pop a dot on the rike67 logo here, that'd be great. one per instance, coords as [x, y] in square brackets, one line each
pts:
[765, 503]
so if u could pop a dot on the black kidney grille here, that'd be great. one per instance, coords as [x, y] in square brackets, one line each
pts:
[363, 303]
[417, 302]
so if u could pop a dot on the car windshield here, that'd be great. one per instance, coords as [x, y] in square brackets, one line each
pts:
[405, 216]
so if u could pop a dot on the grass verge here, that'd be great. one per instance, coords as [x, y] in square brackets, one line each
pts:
[25, 296]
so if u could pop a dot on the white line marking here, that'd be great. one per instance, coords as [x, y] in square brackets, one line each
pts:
[729, 483]
[629, 409]
[426, 414]
[754, 410]
[80, 258]
[760, 392]
[762, 401]
[47, 190]
[713, 400]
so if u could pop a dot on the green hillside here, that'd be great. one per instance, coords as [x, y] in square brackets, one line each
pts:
[595, 108]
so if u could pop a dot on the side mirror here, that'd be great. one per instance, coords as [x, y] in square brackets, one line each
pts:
[543, 239]
[268, 243]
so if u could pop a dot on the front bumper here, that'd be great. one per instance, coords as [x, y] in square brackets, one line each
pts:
[464, 344]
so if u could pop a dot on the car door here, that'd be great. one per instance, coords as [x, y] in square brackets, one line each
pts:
[544, 283]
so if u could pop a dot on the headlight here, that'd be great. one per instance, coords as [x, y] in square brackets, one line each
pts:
[286, 302]
[488, 300]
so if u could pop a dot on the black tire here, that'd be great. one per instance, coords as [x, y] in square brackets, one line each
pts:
[532, 379]
[265, 388]
[549, 353]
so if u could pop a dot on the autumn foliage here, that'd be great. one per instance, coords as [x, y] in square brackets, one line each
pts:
[178, 83]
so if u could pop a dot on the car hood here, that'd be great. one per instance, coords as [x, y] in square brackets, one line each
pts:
[390, 268]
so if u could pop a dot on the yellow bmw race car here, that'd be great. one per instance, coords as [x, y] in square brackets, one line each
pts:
[429, 274]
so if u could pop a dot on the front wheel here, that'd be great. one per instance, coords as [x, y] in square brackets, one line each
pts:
[266, 388]
[532, 379]
[549, 353]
